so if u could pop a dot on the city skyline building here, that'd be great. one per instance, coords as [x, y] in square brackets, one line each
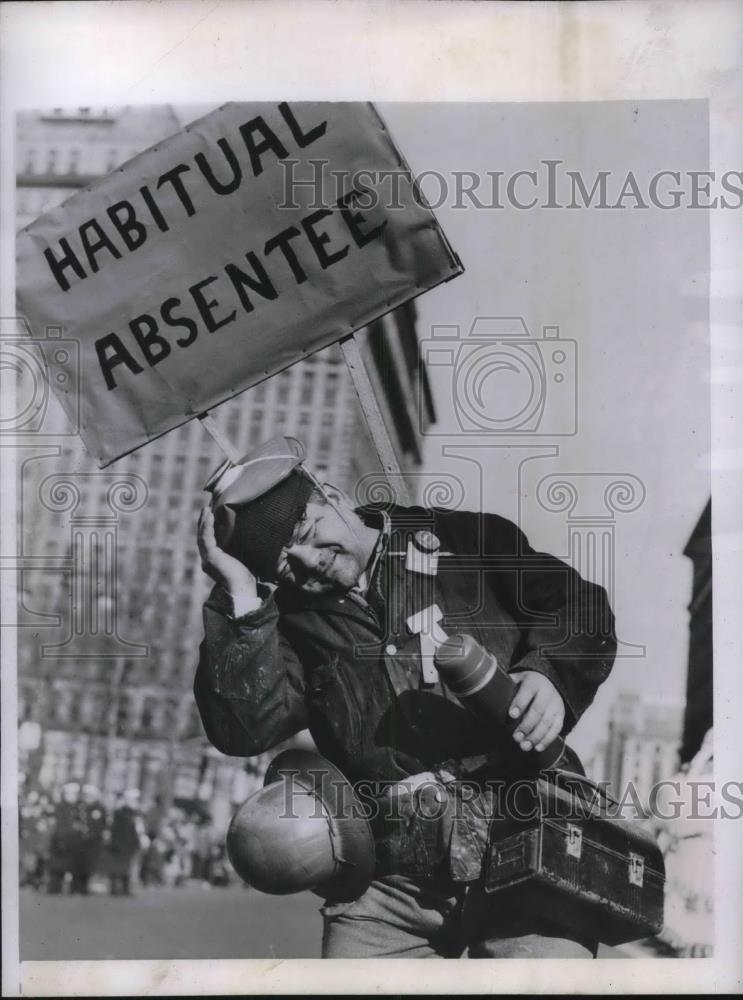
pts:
[641, 746]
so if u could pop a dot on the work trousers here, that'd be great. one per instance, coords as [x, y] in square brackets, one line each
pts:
[400, 917]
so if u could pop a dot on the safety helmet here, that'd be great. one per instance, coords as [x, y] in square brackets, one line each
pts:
[305, 829]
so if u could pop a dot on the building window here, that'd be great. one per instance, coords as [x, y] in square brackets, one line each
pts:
[97, 707]
[256, 426]
[122, 716]
[74, 160]
[75, 706]
[156, 472]
[148, 726]
[54, 707]
[308, 388]
[331, 389]
[51, 161]
[143, 562]
[282, 392]
[233, 424]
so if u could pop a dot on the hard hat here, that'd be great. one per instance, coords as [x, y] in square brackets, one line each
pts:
[305, 829]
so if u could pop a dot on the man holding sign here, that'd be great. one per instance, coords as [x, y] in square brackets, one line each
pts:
[193, 273]
[316, 621]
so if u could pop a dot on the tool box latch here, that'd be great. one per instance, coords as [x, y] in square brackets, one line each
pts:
[636, 869]
[575, 840]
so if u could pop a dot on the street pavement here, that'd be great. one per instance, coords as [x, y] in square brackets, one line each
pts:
[185, 922]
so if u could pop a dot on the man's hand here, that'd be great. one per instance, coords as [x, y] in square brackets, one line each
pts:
[224, 569]
[540, 710]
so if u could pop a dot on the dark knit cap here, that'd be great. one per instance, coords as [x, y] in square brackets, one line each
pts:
[264, 525]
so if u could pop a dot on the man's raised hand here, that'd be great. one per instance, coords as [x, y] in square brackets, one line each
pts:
[224, 569]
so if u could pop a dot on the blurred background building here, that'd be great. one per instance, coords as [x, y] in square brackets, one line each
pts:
[111, 588]
[698, 711]
[641, 746]
[649, 740]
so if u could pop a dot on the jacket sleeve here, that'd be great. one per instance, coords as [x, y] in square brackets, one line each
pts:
[566, 624]
[249, 683]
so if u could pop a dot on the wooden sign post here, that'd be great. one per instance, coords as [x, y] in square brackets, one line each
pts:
[374, 419]
[372, 413]
[210, 425]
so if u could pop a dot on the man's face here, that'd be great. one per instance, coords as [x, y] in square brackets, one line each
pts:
[326, 554]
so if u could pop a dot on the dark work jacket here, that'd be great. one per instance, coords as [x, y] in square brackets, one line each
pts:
[350, 670]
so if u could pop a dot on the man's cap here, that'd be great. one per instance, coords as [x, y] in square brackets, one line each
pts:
[258, 501]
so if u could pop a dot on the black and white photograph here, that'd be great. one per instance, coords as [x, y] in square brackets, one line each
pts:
[369, 466]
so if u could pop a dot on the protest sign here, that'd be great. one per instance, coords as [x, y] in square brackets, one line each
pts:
[254, 237]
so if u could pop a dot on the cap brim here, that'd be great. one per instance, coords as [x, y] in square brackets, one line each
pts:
[256, 473]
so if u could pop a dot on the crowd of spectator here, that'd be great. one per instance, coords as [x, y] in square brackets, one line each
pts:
[71, 840]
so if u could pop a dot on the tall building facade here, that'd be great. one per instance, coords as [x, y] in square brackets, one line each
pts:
[698, 716]
[111, 588]
[641, 747]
